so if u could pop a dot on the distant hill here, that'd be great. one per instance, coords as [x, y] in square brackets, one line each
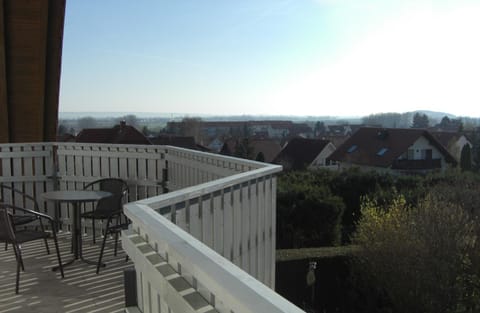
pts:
[435, 115]
[179, 116]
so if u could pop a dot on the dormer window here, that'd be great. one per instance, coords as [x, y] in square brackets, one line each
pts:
[382, 151]
[352, 148]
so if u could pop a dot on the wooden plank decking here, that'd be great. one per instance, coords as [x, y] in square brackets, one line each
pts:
[42, 290]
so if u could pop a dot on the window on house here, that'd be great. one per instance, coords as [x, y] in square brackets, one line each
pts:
[426, 154]
[410, 154]
[352, 148]
[382, 151]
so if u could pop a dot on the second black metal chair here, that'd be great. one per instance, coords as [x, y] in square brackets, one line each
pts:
[110, 207]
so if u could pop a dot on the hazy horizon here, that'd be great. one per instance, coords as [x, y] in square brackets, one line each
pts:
[180, 115]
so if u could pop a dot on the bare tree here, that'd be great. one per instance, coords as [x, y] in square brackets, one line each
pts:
[86, 122]
[191, 126]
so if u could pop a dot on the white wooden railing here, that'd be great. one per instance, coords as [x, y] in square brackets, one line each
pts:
[39, 167]
[177, 273]
[188, 168]
[29, 168]
[235, 216]
[225, 205]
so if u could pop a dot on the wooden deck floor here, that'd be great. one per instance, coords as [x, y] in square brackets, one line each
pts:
[42, 290]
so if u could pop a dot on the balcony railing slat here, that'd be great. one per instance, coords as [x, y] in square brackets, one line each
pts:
[195, 218]
[28, 169]
[17, 169]
[207, 219]
[237, 226]
[228, 223]
[245, 231]
[261, 230]
[253, 240]
[218, 221]
[273, 242]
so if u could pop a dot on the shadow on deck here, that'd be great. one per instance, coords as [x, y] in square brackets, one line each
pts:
[42, 290]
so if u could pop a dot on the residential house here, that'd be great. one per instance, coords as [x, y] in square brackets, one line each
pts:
[338, 134]
[301, 130]
[394, 150]
[122, 134]
[215, 145]
[303, 153]
[66, 138]
[336, 140]
[264, 150]
[267, 148]
[266, 128]
[229, 146]
[187, 142]
[340, 129]
[454, 142]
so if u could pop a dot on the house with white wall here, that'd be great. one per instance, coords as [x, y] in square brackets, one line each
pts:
[393, 150]
[303, 153]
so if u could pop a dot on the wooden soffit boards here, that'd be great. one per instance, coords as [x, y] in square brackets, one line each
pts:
[56, 22]
[4, 137]
[32, 34]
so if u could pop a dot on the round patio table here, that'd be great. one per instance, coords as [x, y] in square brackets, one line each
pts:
[76, 197]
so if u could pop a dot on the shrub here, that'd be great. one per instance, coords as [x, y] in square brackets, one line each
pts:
[426, 257]
[308, 215]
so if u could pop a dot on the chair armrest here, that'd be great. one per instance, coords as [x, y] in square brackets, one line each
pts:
[38, 214]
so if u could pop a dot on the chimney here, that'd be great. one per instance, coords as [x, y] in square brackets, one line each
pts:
[123, 124]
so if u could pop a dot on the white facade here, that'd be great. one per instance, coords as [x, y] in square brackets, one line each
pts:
[455, 148]
[321, 159]
[418, 150]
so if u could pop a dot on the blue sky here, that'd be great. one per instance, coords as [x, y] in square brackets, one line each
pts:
[283, 57]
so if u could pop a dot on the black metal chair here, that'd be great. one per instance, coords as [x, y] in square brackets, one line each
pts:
[21, 218]
[9, 234]
[110, 207]
[113, 227]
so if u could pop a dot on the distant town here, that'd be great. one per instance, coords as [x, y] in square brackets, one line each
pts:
[419, 141]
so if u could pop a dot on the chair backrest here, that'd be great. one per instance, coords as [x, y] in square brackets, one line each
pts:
[7, 234]
[17, 197]
[118, 187]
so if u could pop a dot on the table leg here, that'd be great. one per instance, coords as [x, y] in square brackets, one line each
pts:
[77, 238]
[77, 232]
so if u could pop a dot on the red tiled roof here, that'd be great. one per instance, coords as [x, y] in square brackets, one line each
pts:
[300, 152]
[122, 134]
[66, 138]
[269, 148]
[229, 146]
[187, 142]
[366, 143]
[446, 138]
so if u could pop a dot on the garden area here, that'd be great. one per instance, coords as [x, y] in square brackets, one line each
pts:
[355, 241]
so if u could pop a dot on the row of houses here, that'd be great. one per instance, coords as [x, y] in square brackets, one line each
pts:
[372, 148]
[215, 129]
[392, 150]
